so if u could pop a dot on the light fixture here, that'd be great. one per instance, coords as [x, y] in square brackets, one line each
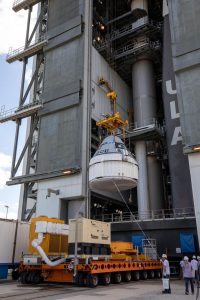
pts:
[98, 38]
[102, 27]
[196, 148]
[67, 172]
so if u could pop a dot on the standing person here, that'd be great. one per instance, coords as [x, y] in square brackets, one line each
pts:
[194, 265]
[187, 275]
[166, 273]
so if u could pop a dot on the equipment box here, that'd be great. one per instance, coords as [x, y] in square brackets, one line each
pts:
[89, 231]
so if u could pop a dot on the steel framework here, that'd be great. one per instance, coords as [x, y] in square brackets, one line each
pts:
[30, 100]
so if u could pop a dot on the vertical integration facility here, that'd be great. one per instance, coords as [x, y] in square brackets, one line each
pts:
[74, 45]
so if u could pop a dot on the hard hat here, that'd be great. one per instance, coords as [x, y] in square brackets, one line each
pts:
[185, 258]
[194, 256]
[164, 256]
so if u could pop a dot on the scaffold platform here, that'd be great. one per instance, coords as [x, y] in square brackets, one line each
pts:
[23, 4]
[24, 52]
[151, 130]
[19, 113]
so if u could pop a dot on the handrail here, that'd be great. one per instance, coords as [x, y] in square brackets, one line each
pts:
[17, 51]
[144, 123]
[162, 214]
[14, 110]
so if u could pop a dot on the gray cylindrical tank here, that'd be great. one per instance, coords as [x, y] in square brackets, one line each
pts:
[139, 8]
[144, 94]
[155, 181]
[142, 188]
[144, 102]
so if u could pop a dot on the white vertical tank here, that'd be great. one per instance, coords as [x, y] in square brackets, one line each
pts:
[112, 165]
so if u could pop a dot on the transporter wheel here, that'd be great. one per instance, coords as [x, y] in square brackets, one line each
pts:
[92, 280]
[158, 273]
[36, 278]
[126, 276]
[15, 274]
[136, 275]
[105, 279]
[24, 277]
[144, 275]
[117, 277]
[151, 274]
[80, 279]
[28, 278]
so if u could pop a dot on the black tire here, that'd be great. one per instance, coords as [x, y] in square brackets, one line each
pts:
[92, 280]
[15, 274]
[151, 274]
[136, 275]
[117, 277]
[144, 275]
[126, 276]
[158, 273]
[80, 279]
[36, 278]
[105, 279]
[23, 277]
[28, 278]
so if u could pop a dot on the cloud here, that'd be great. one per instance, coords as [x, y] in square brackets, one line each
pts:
[5, 165]
[12, 26]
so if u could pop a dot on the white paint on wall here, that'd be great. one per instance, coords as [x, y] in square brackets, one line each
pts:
[69, 188]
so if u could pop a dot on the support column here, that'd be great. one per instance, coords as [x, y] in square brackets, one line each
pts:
[142, 187]
[144, 103]
[139, 4]
[139, 8]
[155, 183]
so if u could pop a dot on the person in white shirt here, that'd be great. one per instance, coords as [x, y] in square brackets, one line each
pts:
[194, 265]
[166, 272]
[187, 275]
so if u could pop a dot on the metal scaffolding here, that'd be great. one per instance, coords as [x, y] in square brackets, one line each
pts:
[30, 100]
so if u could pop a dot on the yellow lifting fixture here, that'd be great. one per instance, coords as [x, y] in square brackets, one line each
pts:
[111, 122]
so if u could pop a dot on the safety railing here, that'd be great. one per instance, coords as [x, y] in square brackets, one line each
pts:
[17, 112]
[16, 52]
[146, 122]
[134, 27]
[162, 214]
[128, 29]
[136, 47]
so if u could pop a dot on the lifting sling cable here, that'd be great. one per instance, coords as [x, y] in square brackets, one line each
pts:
[134, 217]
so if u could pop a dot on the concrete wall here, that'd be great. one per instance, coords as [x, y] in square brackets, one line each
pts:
[65, 116]
[185, 23]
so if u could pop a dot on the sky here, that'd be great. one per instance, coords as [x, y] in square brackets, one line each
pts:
[12, 34]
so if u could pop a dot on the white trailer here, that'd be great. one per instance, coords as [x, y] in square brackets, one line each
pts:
[14, 239]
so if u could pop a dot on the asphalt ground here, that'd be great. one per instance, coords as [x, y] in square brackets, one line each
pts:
[141, 290]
